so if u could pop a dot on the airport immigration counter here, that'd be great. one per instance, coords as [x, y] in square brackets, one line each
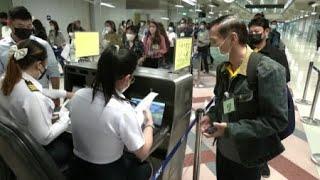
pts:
[175, 90]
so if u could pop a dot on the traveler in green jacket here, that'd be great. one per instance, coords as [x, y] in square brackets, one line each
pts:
[245, 119]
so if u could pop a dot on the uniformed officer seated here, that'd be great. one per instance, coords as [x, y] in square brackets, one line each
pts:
[104, 122]
[23, 97]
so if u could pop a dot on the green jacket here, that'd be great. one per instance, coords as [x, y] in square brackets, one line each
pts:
[251, 134]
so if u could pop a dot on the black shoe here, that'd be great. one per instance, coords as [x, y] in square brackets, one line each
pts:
[265, 170]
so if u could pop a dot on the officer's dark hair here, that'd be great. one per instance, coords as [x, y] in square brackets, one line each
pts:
[229, 24]
[112, 25]
[3, 15]
[19, 12]
[36, 52]
[113, 65]
[263, 22]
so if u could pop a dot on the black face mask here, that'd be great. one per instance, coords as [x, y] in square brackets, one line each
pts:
[23, 33]
[255, 39]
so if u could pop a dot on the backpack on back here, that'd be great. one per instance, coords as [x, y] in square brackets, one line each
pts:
[253, 83]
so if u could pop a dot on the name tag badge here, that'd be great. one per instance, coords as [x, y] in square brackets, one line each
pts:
[228, 106]
[155, 46]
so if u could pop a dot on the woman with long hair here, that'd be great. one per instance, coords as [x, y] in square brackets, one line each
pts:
[23, 97]
[111, 38]
[133, 43]
[39, 30]
[154, 46]
[57, 41]
[104, 123]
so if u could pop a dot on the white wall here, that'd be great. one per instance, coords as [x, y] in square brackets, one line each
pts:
[63, 11]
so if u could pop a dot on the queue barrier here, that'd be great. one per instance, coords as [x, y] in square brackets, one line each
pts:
[196, 164]
[311, 120]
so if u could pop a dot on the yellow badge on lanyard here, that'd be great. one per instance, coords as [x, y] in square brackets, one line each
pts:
[31, 86]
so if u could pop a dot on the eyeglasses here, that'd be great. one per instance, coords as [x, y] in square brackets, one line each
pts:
[132, 80]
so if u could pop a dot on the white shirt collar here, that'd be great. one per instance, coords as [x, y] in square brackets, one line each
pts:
[28, 77]
[120, 94]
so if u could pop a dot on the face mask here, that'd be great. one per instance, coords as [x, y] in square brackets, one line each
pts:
[141, 24]
[130, 37]
[202, 27]
[22, 33]
[170, 29]
[108, 29]
[52, 28]
[217, 56]
[71, 34]
[225, 53]
[182, 25]
[255, 39]
[273, 27]
[42, 73]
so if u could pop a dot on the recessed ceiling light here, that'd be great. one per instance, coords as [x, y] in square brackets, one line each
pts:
[165, 18]
[107, 5]
[179, 6]
[313, 13]
[211, 5]
[211, 12]
[198, 10]
[228, 1]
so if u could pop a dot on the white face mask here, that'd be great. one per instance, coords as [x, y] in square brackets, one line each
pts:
[225, 53]
[273, 26]
[71, 34]
[130, 37]
[108, 29]
[202, 27]
[170, 29]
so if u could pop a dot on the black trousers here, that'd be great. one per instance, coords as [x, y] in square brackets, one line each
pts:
[128, 167]
[61, 149]
[229, 170]
[203, 51]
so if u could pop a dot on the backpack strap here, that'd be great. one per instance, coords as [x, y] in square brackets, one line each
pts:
[252, 70]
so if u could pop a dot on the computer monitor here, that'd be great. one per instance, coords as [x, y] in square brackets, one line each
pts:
[157, 110]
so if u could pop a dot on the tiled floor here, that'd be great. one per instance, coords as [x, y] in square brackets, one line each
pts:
[294, 163]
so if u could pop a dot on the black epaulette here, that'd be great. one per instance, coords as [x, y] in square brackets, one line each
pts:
[31, 86]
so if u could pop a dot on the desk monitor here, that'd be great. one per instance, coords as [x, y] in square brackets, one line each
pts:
[157, 110]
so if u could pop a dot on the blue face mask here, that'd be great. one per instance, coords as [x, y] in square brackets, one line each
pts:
[218, 56]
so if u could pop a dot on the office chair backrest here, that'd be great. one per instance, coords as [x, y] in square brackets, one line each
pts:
[23, 155]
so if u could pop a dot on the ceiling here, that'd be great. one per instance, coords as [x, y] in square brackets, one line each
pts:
[290, 10]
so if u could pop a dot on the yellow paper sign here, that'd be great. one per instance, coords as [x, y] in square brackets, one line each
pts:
[183, 52]
[86, 44]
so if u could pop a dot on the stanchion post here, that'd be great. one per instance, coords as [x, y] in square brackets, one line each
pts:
[196, 162]
[304, 100]
[311, 120]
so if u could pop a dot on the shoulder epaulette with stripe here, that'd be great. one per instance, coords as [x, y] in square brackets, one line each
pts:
[31, 86]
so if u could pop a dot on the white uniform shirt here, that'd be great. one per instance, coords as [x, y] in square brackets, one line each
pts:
[53, 70]
[172, 36]
[33, 109]
[101, 131]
